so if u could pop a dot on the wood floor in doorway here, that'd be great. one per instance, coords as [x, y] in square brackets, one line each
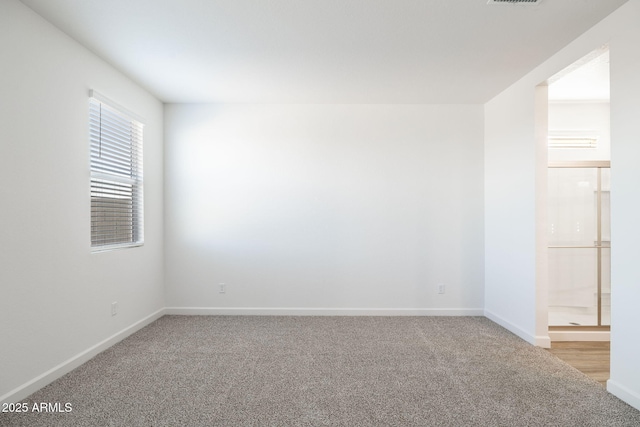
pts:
[589, 357]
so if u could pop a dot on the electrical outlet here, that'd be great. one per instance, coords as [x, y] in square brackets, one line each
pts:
[114, 308]
[441, 288]
[223, 288]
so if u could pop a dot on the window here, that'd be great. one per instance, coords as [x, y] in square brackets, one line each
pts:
[116, 176]
[573, 139]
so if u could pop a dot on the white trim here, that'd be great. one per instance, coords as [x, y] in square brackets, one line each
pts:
[581, 101]
[302, 311]
[580, 336]
[623, 393]
[107, 248]
[543, 341]
[517, 330]
[580, 164]
[114, 105]
[67, 366]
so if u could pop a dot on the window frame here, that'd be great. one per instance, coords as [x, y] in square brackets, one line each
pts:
[115, 177]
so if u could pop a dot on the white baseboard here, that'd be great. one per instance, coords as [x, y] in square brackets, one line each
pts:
[67, 366]
[543, 341]
[531, 339]
[623, 393]
[282, 311]
[579, 336]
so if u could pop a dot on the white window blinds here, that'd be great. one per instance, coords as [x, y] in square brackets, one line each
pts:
[116, 177]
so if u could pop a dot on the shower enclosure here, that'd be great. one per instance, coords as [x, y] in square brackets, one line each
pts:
[579, 244]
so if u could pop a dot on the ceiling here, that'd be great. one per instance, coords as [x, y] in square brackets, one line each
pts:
[586, 80]
[324, 51]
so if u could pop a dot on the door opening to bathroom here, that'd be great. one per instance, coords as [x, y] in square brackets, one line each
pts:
[578, 201]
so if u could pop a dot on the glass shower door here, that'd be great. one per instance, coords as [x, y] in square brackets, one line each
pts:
[579, 243]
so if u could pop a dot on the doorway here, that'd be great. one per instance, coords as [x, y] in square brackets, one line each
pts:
[578, 202]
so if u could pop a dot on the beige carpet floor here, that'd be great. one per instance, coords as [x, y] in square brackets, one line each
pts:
[326, 371]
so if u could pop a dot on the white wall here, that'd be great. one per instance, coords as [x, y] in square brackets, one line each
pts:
[510, 249]
[340, 208]
[512, 170]
[55, 295]
[625, 206]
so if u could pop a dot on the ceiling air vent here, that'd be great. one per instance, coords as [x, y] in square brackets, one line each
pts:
[512, 1]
